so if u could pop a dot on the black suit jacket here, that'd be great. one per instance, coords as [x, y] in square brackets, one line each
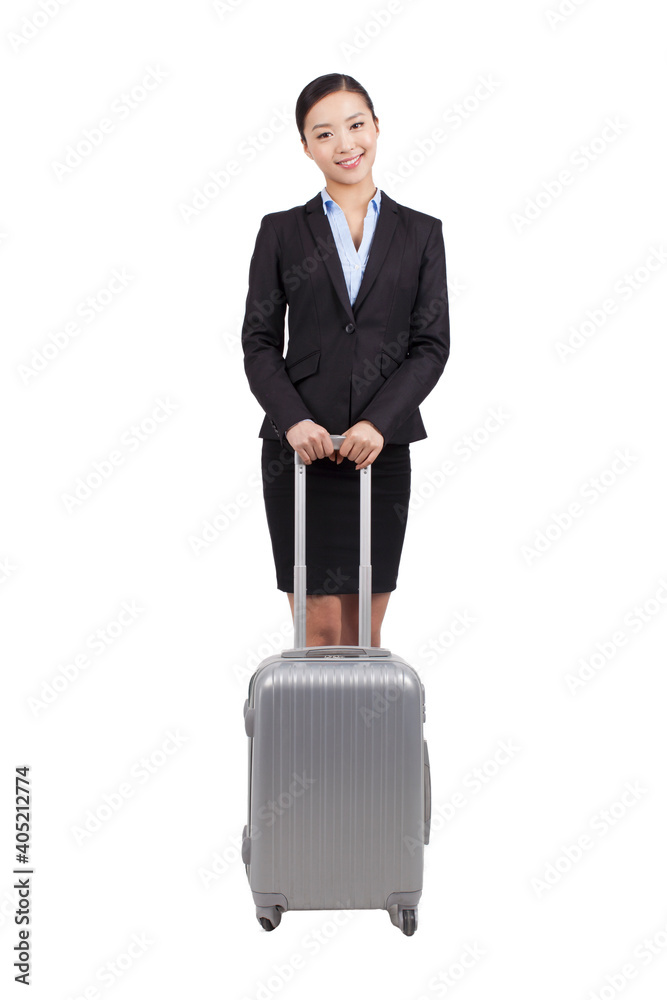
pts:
[376, 360]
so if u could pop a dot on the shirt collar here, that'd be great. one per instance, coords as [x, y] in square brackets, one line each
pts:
[327, 200]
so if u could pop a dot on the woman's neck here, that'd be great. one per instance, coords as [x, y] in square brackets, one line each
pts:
[352, 197]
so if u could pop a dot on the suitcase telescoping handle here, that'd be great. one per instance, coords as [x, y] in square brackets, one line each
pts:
[365, 570]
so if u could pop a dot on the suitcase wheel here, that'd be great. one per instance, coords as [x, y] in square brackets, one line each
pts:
[407, 920]
[269, 916]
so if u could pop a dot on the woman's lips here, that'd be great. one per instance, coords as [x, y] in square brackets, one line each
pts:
[350, 164]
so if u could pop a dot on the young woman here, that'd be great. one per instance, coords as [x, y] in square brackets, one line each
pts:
[365, 281]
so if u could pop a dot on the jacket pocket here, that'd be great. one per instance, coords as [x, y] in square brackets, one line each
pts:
[307, 365]
[387, 364]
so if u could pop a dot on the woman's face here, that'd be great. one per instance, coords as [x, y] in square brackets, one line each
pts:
[341, 127]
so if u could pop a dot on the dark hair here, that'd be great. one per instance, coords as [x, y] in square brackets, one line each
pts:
[330, 83]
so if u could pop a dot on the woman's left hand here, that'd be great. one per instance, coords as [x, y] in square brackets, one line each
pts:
[363, 443]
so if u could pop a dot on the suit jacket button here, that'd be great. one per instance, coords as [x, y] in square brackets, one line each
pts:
[349, 328]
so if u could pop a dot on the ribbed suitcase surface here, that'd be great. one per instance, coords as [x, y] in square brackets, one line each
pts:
[337, 784]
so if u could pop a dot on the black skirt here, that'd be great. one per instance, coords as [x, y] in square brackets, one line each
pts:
[332, 518]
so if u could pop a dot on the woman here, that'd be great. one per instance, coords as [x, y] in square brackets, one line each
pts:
[366, 285]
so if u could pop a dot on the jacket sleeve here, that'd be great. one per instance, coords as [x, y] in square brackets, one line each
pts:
[263, 336]
[428, 344]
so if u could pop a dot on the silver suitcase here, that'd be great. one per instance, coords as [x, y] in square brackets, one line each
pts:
[339, 791]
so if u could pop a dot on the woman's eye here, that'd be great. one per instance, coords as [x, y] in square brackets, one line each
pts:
[322, 134]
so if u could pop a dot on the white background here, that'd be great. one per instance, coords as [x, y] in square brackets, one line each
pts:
[203, 617]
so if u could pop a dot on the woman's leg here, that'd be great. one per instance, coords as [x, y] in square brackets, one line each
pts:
[349, 633]
[323, 618]
[333, 619]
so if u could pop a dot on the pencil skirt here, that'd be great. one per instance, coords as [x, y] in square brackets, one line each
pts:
[332, 518]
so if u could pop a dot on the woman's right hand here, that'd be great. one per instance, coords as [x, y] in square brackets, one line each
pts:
[312, 441]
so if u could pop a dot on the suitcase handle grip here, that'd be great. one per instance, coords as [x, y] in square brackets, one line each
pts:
[337, 440]
[335, 652]
[365, 570]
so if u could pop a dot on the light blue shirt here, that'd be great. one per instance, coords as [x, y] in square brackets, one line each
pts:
[353, 261]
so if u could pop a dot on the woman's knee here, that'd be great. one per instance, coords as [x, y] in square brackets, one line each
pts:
[323, 613]
[323, 619]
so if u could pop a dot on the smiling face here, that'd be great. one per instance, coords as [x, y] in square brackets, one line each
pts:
[340, 128]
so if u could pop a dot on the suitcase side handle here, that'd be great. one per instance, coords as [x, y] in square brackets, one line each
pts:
[427, 795]
[365, 569]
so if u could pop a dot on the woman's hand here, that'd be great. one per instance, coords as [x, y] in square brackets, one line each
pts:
[310, 440]
[363, 443]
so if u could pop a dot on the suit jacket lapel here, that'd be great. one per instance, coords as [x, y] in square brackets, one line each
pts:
[384, 231]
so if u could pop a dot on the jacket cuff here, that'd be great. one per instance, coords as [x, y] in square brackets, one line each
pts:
[281, 432]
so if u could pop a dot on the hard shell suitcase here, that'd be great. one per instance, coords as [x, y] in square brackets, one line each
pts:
[339, 791]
